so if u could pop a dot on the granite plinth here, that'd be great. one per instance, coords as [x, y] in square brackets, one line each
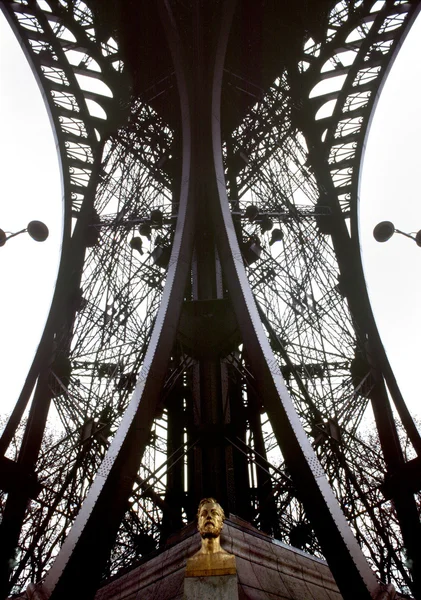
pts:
[266, 569]
[213, 587]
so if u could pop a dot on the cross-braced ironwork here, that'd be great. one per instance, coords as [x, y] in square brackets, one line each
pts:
[152, 302]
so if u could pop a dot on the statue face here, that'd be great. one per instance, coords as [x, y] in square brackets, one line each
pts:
[210, 521]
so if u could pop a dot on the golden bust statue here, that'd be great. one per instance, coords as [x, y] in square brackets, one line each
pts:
[211, 559]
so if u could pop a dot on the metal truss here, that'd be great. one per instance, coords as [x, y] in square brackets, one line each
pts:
[291, 157]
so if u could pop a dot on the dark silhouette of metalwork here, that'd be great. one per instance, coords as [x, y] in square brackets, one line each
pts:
[210, 333]
[37, 230]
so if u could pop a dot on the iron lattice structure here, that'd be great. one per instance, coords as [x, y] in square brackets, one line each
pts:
[294, 119]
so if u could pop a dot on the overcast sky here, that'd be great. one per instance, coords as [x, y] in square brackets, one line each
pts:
[390, 191]
[30, 189]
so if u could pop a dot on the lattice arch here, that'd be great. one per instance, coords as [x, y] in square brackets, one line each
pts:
[292, 165]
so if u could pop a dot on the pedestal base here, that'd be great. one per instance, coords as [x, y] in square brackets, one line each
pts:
[266, 569]
[214, 587]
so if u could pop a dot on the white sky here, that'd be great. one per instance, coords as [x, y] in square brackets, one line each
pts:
[30, 189]
[390, 191]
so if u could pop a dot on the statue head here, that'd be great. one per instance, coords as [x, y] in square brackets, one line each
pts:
[210, 518]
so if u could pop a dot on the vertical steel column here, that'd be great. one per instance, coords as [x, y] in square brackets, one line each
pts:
[174, 498]
[17, 499]
[208, 392]
[267, 504]
[402, 497]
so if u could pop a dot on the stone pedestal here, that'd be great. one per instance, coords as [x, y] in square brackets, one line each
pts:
[266, 569]
[214, 587]
[211, 576]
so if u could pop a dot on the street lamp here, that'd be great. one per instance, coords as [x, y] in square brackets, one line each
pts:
[383, 231]
[36, 229]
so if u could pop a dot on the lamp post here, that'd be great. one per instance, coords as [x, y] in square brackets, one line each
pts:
[383, 231]
[36, 229]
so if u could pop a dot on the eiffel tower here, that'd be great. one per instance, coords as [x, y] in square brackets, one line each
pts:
[210, 333]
